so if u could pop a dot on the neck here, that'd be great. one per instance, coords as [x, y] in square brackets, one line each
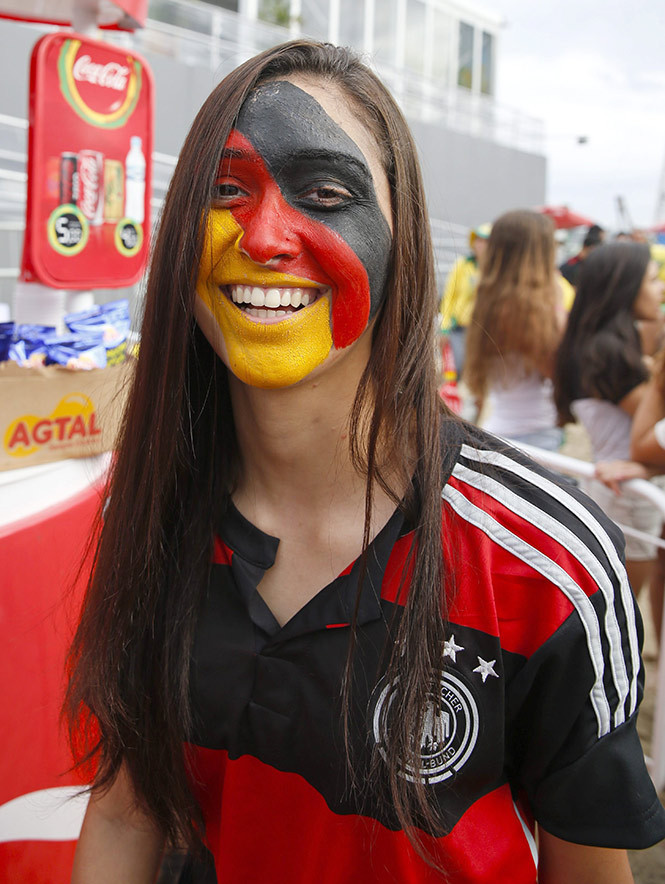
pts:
[294, 444]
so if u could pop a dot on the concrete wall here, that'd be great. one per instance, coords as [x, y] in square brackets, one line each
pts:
[471, 180]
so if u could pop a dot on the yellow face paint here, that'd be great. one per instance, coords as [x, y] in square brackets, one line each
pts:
[262, 354]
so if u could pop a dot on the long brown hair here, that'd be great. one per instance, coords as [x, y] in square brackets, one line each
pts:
[516, 302]
[128, 696]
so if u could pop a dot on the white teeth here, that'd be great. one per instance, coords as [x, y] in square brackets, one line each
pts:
[273, 298]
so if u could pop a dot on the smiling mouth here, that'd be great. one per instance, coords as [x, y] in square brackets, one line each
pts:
[270, 302]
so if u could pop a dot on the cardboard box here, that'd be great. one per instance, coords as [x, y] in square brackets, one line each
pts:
[50, 413]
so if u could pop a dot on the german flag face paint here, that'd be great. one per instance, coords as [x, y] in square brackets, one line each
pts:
[297, 247]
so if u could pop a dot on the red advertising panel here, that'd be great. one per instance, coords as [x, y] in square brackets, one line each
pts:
[89, 150]
[122, 14]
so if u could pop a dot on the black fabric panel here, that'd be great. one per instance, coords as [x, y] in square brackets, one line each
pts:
[579, 803]
[549, 711]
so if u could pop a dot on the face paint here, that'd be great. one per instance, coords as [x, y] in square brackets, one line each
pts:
[296, 209]
[275, 352]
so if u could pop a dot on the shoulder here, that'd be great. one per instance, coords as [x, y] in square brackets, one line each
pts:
[492, 483]
[537, 551]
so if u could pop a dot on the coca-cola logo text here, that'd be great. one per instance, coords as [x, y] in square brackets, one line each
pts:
[111, 76]
[89, 184]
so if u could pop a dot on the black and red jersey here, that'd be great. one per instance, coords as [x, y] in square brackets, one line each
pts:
[539, 688]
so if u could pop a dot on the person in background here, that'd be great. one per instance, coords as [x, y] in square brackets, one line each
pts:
[334, 633]
[459, 294]
[647, 445]
[647, 453]
[570, 269]
[515, 331]
[601, 375]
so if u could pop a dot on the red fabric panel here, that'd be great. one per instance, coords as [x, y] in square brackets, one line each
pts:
[307, 842]
[395, 585]
[221, 553]
[497, 592]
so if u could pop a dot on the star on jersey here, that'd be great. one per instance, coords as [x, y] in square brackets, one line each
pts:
[486, 669]
[450, 649]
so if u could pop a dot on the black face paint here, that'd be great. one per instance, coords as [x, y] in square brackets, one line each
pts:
[305, 150]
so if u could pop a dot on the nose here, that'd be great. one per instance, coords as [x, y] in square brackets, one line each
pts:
[269, 231]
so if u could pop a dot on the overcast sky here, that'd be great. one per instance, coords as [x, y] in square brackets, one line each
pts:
[592, 68]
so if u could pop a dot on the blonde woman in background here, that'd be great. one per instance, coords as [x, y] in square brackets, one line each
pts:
[515, 330]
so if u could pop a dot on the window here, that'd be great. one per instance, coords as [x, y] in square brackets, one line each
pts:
[225, 4]
[275, 12]
[443, 24]
[465, 56]
[385, 37]
[351, 22]
[487, 70]
[414, 50]
[314, 18]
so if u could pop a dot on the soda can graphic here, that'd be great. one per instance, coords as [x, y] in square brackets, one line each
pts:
[68, 177]
[114, 190]
[91, 185]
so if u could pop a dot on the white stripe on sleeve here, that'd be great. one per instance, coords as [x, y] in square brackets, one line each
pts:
[556, 574]
[564, 536]
[587, 518]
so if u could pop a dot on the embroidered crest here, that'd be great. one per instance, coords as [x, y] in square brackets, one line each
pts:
[449, 734]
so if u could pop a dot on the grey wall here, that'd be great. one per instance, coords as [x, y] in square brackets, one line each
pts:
[471, 180]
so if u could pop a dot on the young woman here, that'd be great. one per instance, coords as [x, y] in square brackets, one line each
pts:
[647, 450]
[515, 330]
[305, 561]
[601, 375]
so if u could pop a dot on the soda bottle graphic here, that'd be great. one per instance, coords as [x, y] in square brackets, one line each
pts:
[135, 181]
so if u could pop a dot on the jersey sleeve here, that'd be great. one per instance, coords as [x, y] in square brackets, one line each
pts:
[575, 750]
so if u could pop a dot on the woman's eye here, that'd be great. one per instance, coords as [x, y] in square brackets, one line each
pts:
[327, 196]
[224, 193]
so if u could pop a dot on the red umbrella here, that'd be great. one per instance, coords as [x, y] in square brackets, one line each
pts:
[123, 14]
[565, 218]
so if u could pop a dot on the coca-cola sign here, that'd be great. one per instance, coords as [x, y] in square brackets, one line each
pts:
[110, 76]
[99, 88]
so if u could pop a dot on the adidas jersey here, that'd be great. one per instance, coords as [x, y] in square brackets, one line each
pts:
[539, 689]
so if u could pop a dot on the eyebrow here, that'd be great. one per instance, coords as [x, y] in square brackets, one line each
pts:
[234, 153]
[305, 154]
[335, 156]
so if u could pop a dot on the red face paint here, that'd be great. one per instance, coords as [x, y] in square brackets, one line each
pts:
[291, 241]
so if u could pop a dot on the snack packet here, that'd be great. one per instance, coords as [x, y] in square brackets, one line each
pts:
[76, 351]
[6, 338]
[112, 320]
[28, 347]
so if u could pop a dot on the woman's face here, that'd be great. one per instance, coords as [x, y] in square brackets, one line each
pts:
[648, 303]
[298, 239]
